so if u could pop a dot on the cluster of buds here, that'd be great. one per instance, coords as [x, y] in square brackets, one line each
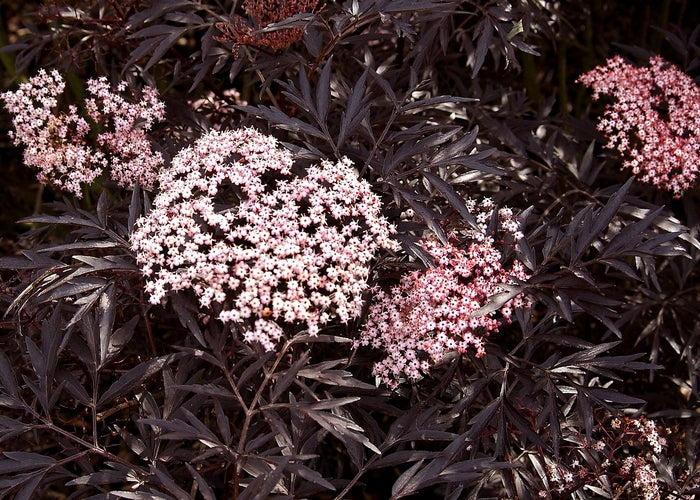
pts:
[653, 120]
[257, 244]
[59, 144]
[432, 312]
[263, 13]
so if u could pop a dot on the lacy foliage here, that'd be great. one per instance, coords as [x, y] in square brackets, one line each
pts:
[373, 249]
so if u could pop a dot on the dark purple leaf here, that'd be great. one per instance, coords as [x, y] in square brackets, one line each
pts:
[261, 487]
[404, 481]
[154, 12]
[323, 91]
[280, 120]
[21, 461]
[204, 488]
[285, 379]
[99, 478]
[169, 484]
[403, 457]
[134, 378]
[7, 378]
[355, 110]
[484, 32]
[186, 313]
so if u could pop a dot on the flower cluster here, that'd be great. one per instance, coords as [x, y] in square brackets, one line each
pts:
[627, 450]
[263, 13]
[432, 312]
[59, 146]
[653, 121]
[124, 139]
[234, 226]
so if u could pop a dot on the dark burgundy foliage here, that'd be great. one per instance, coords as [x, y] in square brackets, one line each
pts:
[104, 395]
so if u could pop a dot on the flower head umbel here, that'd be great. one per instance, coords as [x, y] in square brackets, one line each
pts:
[431, 312]
[124, 140]
[55, 144]
[626, 453]
[59, 146]
[653, 121]
[233, 225]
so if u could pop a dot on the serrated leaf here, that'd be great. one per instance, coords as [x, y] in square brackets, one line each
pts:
[210, 389]
[204, 488]
[134, 443]
[433, 102]
[485, 33]
[404, 480]
[285, 379]
[141, 495]
[20, 461]
[106, 312]
[7, 377]
[28, 489]
[79, 245]
[427, 215]
[310, 475]
[253, 369]
[482, 419]
[330, 403]
[280, 120]
[307, 101]
[455, 200]
[340, 427]
[595, 226]
[354, 109]
[402, 457]
[169, 484]
[164, 45]
[323, 91]
[134, 377]
[155, 11]
[135, 207]
[498, 300]
[99, 478]
[121, 337]
[341, 378]
[263, 485]
[184, 311]
[40, 365]
[73, 386]
[609, 395]
[222, 422]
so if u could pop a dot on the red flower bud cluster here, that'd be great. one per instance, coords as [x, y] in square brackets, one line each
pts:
[263, 13]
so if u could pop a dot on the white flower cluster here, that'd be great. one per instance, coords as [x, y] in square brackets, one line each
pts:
[261, 246]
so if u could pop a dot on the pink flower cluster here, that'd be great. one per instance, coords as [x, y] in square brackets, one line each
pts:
[59, 146]
[645, 480]
[234, 226]
[653, 121]
[431, 312]
[124, 140]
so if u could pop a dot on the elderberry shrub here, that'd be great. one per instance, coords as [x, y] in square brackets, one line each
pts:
[352, 249]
